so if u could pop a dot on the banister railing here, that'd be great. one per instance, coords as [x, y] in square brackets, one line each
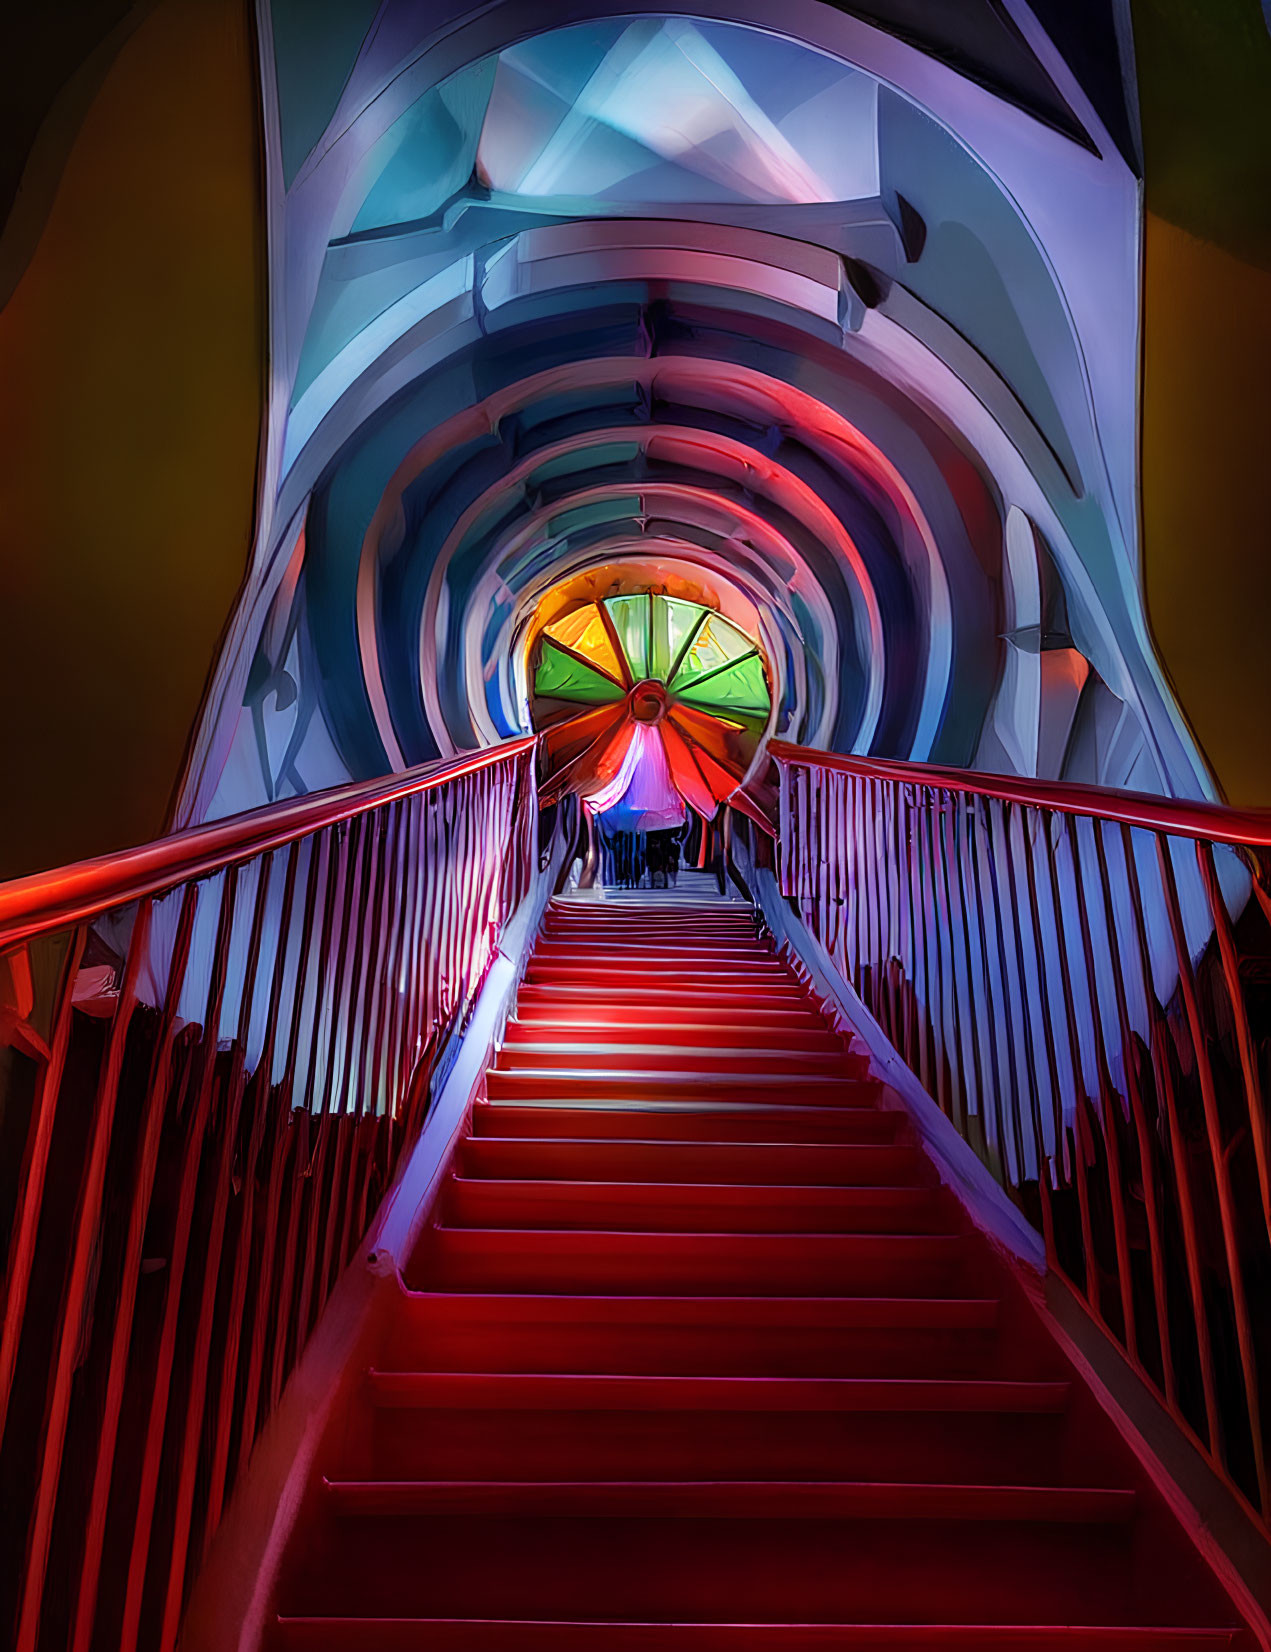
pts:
[1082, 980]
[214, 1051]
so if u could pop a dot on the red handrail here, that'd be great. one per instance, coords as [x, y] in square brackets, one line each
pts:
[1066, 969]
[222, 1045]
[69, 894]
[1216, 822]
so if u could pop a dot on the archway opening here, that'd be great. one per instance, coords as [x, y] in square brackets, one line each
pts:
[652, 706]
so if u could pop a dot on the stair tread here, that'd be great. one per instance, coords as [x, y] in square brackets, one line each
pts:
[736, 1499]
[700, 1120]
[643, 1206]
[710, 1077]
[400, 1634]
[564, 1186]
[856, 1312]
[609, 1046]
[481, 1390]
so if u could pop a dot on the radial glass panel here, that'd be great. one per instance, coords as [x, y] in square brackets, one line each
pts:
[715, 644]
[674, 622]
[631, 618]
[585, 632]
[740, 686]
[562, 677]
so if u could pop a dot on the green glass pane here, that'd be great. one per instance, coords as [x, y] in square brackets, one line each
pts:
[674, 622]
[716, 643]
[630, 617]
[562, 677]
[740, 687]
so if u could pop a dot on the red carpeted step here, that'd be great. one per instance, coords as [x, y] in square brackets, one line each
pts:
[594, 1053]
[732, 1500]
[567, 1084]
[652, 998]
[732, 1336]
[695, 1121]
[720, 978]
[690, 1207]
[510, 1259]
[783, 1030]
[488, 1635]
[712, 1567]
[954, 1337]
[708, 1443]
[555, 1392]
[749, 1164]
[625, 949]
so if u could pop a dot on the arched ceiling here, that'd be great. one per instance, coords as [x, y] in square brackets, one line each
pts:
[844, 315]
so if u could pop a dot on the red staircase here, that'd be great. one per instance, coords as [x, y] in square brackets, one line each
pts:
[699, 1356]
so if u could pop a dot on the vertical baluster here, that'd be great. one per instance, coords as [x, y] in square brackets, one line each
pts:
[1108, 1102]
[201, 1362]
[363, 1098]
[325, 874]
[874, 884]
[346, 1104]
[977, 963]
[1222, 1172]
[354, 865]
[429, 928]
[838, 941]
[935, 955]
[1244, 1038]
[998, 1010]
[79, 1282]
[1047, 1019]
[417, 1002]
[890, 949]
[967, 1014]
[377, 1026]
[922, 933]
[916, 1052]
[784, 826]
[1142, 1130]
[199, 1111]
[261, 1117]
[382, 1081]
[904, 919]
[803, 882]
[1006, 885]
[1178, 1153]
[1091, 1264]
[859, 885]
[153, 1113]
[39, 1140]
[821, 886]
[393, 1022]
[943, 1009]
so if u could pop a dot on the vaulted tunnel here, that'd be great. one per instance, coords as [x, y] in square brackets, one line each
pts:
[808, 320]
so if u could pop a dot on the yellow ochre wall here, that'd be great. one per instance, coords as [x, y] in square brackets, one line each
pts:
[1207, 495]
[131, 384]
[1204, 82]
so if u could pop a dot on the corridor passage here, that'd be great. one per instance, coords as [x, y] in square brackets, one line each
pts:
[698, 1353]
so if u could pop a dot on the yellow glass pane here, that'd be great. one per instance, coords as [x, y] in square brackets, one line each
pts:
[585, 632]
